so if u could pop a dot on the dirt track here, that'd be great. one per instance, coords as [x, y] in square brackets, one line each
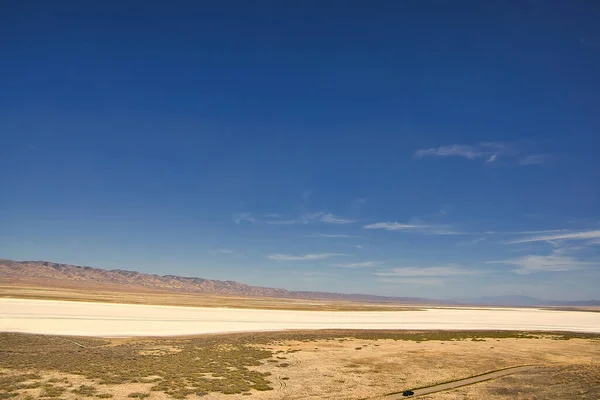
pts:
[461, 382]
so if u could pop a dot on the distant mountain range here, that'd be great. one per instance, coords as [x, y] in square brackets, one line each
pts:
[55, 274]
[525, 301]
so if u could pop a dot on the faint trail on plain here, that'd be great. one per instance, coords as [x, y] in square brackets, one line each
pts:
[459, 383]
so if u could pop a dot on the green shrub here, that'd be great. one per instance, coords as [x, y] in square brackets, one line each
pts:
[138, 395]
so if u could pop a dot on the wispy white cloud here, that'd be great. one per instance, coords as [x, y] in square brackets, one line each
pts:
[441, 230]
[491, 152]
[412, 281]
[282, 221]
[536, 232]
[305, 257]
[449, 270]
[521, 249]
[333, 219]
[226, 251]
[364, 264]
[238, 218]
[415, 227]
[582, 235]
[533, 159]
[392, 226]
[309, 218]
[532, 264]
[561, 250]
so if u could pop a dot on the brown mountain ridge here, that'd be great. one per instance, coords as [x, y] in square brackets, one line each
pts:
[55, 273]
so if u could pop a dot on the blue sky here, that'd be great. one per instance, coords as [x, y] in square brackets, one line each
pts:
[431, 148]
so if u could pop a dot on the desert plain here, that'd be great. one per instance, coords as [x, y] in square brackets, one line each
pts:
[56, 349]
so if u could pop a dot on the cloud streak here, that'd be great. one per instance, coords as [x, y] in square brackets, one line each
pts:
[392, 226]
[365, 264]
[306, 218]
[238, 218]
[532, 264]
[419, 228]
[533, 159]
[583, 235]
[305, 257]
[449, 270]
[282, 222]
[490, 152]
[327, 218]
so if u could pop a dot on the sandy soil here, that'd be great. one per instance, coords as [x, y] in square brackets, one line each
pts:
[338, 370]
[102, 319]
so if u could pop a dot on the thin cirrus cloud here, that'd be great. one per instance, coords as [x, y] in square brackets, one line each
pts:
[449, 270]
[490, 152]
[487, 150]
[364, 264]
[282, 222]
[536, 232]
[304, 257]
[532, 264]
[238, 218]
[393, 226]
[306, 218]
[327, 218]
[582, 235]
[419, 228]
[533, 159]
[332, 219]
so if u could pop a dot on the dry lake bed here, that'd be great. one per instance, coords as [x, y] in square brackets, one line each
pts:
[114, 320]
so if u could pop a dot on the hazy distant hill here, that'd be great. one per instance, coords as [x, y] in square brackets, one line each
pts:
[517, 300]
[74, 274]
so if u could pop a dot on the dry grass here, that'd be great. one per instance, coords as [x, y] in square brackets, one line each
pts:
[201, 364]
[294, 365]
[570, 381]
[133, 295]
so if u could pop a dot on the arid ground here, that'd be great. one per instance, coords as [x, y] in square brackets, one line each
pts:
[119, 294]
[132, 360]
[299, 365]
[107, 319]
